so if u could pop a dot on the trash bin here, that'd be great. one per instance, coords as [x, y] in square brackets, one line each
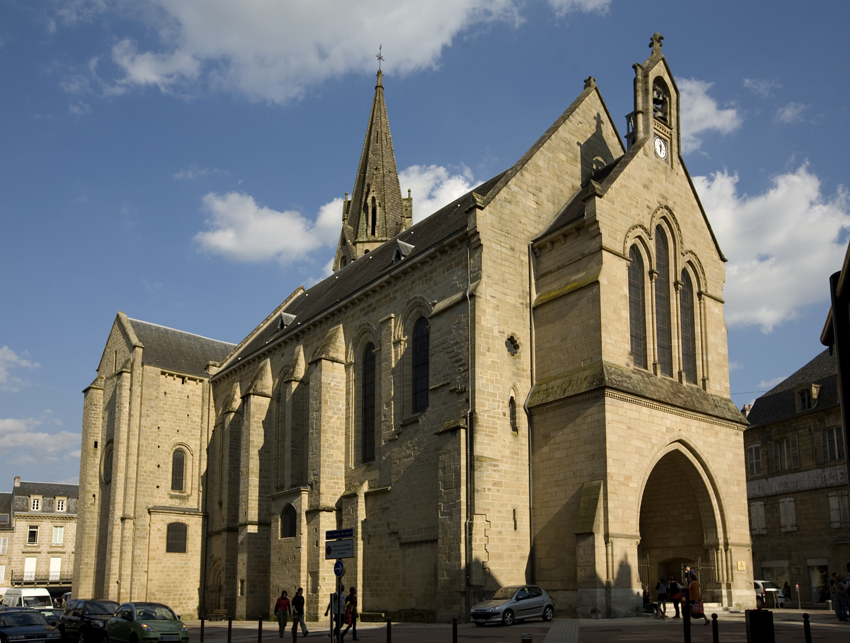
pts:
[760, 626]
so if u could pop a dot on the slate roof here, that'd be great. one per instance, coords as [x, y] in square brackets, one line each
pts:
[47, 489]
[176, 350]
[359, 274]
[779, 402]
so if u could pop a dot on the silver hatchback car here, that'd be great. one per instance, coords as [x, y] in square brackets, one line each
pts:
[514, 603]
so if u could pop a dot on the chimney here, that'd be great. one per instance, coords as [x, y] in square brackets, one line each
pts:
[17, 481]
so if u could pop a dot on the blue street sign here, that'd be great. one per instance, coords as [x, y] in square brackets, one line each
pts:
[339, 569]
[339, 533]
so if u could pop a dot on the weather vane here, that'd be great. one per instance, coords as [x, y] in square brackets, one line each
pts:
[379, 57]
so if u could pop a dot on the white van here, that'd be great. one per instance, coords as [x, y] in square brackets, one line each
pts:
[3, 591]
[27, 597]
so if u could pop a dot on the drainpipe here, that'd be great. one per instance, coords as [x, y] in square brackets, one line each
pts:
[470, 510]
[530, 418]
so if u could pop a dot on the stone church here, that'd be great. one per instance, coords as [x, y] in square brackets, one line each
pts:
[529, 385]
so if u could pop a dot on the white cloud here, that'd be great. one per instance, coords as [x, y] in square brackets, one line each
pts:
[432, 187]
[762, 87]
[782, 245]
[195, 171]
[563, 7]
[242, 230]
[79, 108]
[735, 366]
[24, 445]
[9, 361]
[700, 113]
[766, 385]
[273, 50]
[791, 113]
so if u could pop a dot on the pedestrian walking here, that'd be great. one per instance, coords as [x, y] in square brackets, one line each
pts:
[661, 589]
[841, 598]
[695, 598]
[351, 613]
[282, 611]
[298, 613]
[786, 592]
[335, 608]
[674, 592]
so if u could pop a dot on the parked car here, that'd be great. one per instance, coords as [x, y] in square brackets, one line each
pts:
[144, 623]
[85, 620]
[768, 594]
[52, 614]
[23, 625]
[514, 603]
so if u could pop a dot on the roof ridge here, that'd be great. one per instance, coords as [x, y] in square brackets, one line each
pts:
[177, 330]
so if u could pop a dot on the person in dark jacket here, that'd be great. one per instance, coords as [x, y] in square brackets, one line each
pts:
[298, 613]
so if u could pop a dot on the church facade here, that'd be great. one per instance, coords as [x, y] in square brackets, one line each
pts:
[529, 385]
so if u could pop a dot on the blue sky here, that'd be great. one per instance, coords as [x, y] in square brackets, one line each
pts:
[184, 161]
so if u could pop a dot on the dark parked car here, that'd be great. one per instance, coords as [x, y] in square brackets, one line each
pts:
[52, 614]
[145, 623]
[23, 625]
[86, 619]
[514, 603]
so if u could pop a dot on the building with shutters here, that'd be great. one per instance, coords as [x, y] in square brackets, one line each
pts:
[38, 522]
[797, 482]
[498, 394]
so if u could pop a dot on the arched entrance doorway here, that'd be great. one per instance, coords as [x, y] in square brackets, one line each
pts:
[678, 525]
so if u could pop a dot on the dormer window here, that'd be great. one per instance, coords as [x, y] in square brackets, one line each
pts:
[806, 397]
[661, 101]
[35, 503]
[61, 504]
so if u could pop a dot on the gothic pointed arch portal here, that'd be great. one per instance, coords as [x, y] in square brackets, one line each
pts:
[680, 524]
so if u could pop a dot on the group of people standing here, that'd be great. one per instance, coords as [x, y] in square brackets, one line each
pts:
[342, 608]
[669, 589]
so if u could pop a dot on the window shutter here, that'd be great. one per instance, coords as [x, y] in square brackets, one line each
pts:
[770, 452]
[795, 453]
[840, 441]
[792, 514]
[762, 522]
[844, 508]
[783, 515]
[819, 457]
[834, 510]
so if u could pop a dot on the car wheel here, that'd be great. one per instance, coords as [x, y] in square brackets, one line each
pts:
[134, 638]
[548, 613]
[759, 602]
[508, 617]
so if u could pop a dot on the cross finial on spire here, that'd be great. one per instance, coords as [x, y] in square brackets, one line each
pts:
[655, 42]
[379, 57]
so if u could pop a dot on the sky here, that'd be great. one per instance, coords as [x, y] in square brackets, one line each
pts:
[185, 161]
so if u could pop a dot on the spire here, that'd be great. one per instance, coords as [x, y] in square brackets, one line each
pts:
[376, 211]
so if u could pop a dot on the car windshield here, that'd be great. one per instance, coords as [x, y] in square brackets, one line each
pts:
[506, 592]
[154, 613]
[21, 619]
[770, 585]
[37, 601]
[106, 608]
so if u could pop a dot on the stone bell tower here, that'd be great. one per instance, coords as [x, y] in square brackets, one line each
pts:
[376, 210]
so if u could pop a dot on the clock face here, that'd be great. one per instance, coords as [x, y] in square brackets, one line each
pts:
[660, 147]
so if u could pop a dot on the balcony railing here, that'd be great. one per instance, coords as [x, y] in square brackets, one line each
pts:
[40, 578]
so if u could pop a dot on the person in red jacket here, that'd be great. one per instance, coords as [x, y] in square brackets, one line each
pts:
[282, 611]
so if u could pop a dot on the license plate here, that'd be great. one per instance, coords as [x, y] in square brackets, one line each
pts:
[170, 637]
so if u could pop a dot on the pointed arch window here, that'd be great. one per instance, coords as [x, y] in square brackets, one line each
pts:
[689, 338]
[663, 328]
[178, 466]
[512, 414]
[637, 307]
[374, 215]
[421, 357]
[176, 535]
[288, 522]
[368, 405]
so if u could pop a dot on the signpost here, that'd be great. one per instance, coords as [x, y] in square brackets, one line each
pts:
[339, 543]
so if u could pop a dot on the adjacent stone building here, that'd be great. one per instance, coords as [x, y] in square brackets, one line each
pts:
[38, 522]
[146, 426]
[498, 394]
[797, 482]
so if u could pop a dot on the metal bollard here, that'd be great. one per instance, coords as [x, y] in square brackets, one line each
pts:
[526, 638]
[454, 630]
[807, 628]
[715, 633]
[389, 631]
[229, 628]
[260, 630]
[202, 629]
